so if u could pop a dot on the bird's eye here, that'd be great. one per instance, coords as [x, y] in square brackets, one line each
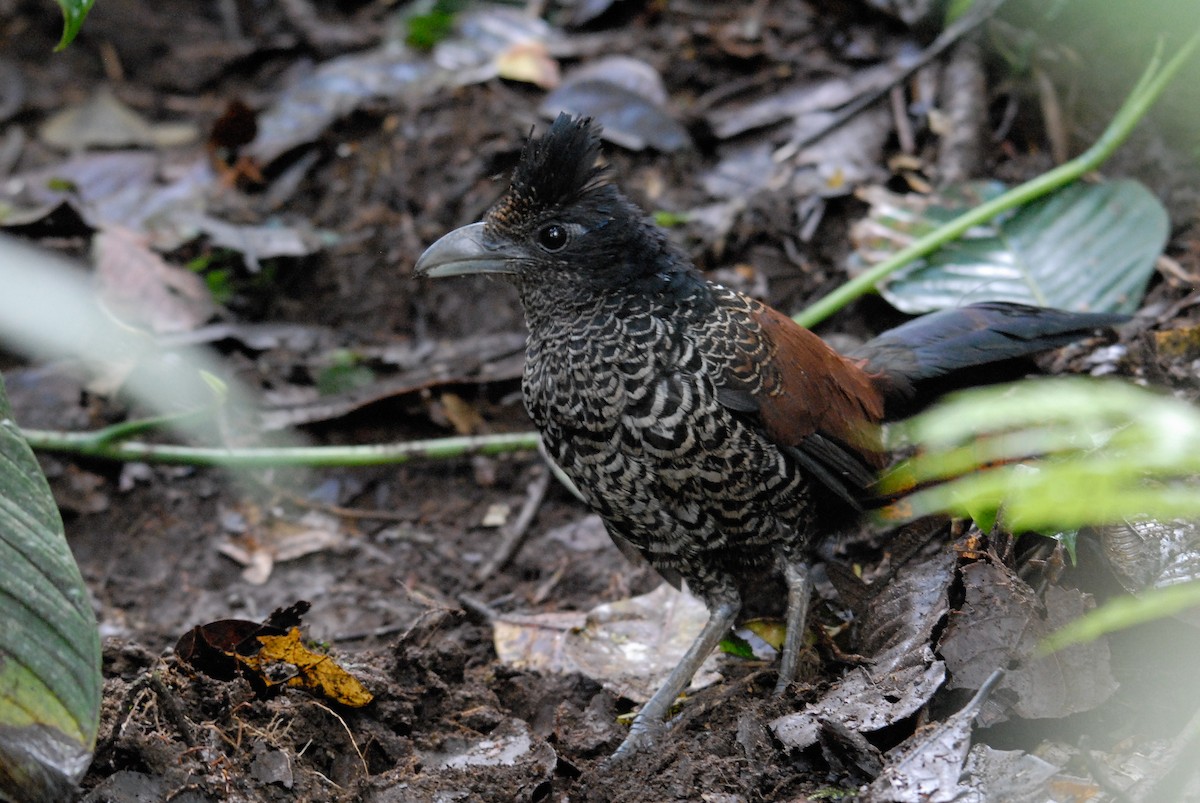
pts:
[552, 237]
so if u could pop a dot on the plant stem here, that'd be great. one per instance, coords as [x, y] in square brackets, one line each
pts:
[101, 444]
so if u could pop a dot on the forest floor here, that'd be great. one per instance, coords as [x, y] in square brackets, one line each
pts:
[345, 347]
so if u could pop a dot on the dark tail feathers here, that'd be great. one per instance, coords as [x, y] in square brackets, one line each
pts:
[937, 345]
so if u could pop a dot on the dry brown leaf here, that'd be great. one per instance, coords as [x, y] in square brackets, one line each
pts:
[528, 62]
[141, 289]
[1178, 344]
[266, 543]
[462, 415]
[103, 121]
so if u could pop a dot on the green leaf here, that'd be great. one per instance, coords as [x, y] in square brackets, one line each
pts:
[427, 29]
[1070, 542]
[956, 10]
[74, 13]
[1123, 612]
[220, 283]
[218, 386]
[737, 646]
[345, 374]
[49, 644]
[1054, 455]
[1083, 247]
[985, 518]
[670, 220]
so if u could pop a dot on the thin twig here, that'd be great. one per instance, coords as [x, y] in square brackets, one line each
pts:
[349, 733]
[478, 607]
[542, 592]
[1101, 777]
[375, 632]
[514, 535]
[353, 513]
[170, 706]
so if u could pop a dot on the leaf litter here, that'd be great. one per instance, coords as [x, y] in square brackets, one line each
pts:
[1000, 624]
[900, 672]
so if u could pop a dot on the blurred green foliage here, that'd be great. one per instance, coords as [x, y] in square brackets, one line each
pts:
[74, 13]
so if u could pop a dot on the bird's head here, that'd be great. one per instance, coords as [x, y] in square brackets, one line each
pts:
[560, 223]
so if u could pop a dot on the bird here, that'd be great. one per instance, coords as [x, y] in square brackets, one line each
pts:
[715, 437]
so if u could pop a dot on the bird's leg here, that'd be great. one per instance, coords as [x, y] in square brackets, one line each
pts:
[799, 588]
[722, 611]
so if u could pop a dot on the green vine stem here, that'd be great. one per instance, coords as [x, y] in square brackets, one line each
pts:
[102, 444]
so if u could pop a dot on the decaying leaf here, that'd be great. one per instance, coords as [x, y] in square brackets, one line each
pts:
[934, 765]
[627, 97]
[1000, 624]
[536, 641]
[142, 289]
[508, 744]
[489, 42]
[1010, 775]
[316, 673]
[484, 358]
[270, 656]
[164, 200]
[927, 766]
[1180, 343]
[903, 673]
[461, 414]
[833, 166]
[213, 648]
[629, 646]
[800, 101]
[1153, 553]
[256, 243]
[337, 87]
[103, 121]
[510, 756]
[134, 189]
[274, 539]
[528, 62]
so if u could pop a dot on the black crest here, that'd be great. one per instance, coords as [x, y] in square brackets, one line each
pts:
[555, 168]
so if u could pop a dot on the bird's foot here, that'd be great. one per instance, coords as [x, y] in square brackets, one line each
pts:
[642, 736]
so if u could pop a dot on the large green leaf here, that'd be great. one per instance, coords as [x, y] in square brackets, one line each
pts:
[1109, 452]
[49, 645]
[1084, 247]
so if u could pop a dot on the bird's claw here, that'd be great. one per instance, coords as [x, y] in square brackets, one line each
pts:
[642, 736]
